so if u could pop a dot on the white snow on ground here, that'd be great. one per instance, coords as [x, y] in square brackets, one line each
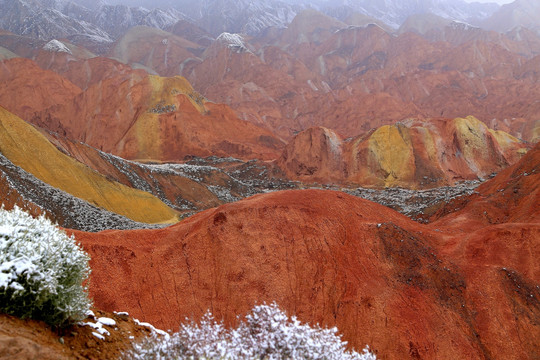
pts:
[101, 337]
[100, 332]
[151, 327]
[106, 321]
[233, 41]
[56, 46]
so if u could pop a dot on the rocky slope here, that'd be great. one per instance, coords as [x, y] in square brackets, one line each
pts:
[512, 196]
[19, 187]
[413, 153]
[310, 74]
[188, 187]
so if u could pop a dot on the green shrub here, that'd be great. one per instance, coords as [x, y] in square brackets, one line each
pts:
[42, 270]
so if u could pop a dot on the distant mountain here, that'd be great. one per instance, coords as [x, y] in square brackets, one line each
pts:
[251, 17]
[50, 19]
[95, 24]
[520, 13]
[46, 21]
[395, 12]
[117, 19]
[242, 16]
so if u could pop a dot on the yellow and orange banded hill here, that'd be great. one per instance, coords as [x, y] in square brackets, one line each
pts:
[27, 148]
[413, 153]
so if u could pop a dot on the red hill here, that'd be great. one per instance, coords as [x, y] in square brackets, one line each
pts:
[330, 258]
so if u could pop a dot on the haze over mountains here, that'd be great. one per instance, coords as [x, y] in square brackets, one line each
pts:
[101, 22]
[169, 118]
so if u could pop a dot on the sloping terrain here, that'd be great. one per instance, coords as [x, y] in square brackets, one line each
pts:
[36, 89]
[320, 72]
[28, 339]
[194, 185]
[336, 260]
[27, 148]
[128, 112]
[512, 196]
[20, 188]
[155, 118]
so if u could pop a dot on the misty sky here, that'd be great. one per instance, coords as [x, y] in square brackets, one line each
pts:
[497, 1]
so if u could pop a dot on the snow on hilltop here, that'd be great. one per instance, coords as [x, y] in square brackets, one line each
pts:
[56, 46]
[233, 41]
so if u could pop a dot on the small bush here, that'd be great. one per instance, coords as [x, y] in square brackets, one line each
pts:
[266, 333]
[42, 270]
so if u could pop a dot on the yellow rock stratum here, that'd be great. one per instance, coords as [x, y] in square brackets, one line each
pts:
[27, 148]
[163, 98]
[414, 153]
[391, 154]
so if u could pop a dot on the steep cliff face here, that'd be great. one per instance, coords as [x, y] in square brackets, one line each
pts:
[412, 154]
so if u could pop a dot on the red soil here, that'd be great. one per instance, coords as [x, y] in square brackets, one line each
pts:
[333, 259]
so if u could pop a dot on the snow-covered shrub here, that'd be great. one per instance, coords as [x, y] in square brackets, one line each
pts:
[266, 333]
[42, 270]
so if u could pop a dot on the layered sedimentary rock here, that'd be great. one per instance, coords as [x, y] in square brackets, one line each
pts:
[28, 149]
[130, 113]
[354, 78]
[412, 153]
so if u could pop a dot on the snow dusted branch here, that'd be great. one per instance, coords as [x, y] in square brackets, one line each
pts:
[266, 333]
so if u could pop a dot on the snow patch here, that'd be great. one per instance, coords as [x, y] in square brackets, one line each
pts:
[461, 25]
[98, 327]
[151, 327]
[233, 41]
[312, 85]
[56, 46]
[106, 321]
[99, 336]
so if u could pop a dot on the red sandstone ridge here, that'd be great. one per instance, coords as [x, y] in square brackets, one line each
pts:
[130, 113]
[334, 259]
[413, 154]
